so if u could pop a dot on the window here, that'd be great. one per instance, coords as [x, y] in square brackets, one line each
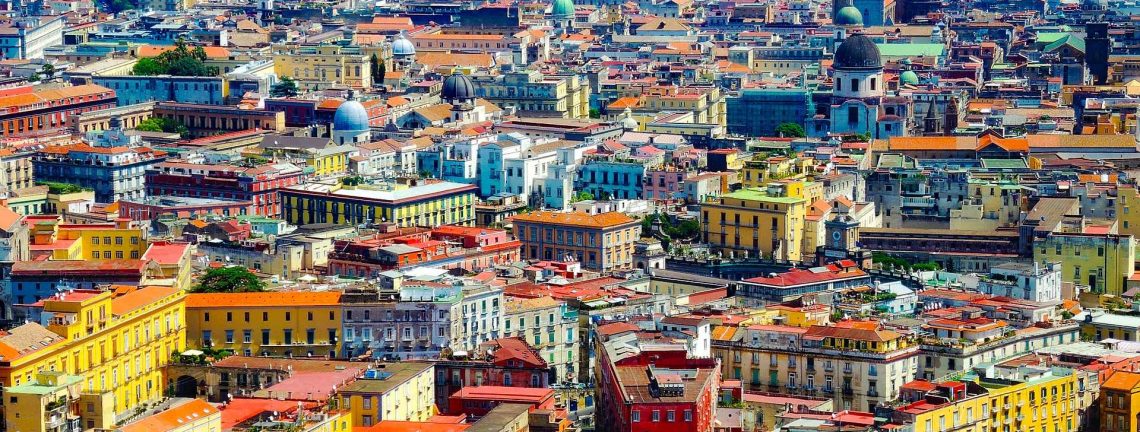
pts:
[246, 336]
[670, 416]
[635, 415]
[229, 336]
[688, 415]
[656, 416]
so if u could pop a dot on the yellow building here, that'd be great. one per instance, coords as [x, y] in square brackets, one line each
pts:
[122, 239]
[392, 391]
[297, 323]
[426, 204]
[602, 242]
[1128, 221]
[531, 91]
[118, 344]
[173, 262]
[1042, 402]
[48, 403]
[856, 364]
[989, 206]
[1120, 402]
[757, 222]
[1098, 325]
[195, 415]
[763, 168]
[707, 104]
[1101, 261]
[320, 66]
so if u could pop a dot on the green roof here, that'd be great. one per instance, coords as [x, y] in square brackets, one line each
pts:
[1003, 163]
[754, 194]
[37, 389]
[1070, 40]
[911, 49]
[1050, 37]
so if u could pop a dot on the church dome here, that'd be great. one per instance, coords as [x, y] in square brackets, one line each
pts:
[562, 9]
[849, 16]
[403, 47]
[908, 77]
[629, 123]
[458, 87]
[350, 116]
[858, 52]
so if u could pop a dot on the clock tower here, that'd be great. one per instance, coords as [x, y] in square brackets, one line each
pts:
[842, 242]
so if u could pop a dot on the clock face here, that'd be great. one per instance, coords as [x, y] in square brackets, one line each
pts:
[835, 235]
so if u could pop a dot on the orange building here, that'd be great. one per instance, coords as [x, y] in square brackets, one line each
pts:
[32, 111]
[601, 242]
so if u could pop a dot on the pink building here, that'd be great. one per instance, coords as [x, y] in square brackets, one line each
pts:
[662, 183]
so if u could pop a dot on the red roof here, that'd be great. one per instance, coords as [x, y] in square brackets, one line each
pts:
[799, 276]
[505, 394]
[166, 253]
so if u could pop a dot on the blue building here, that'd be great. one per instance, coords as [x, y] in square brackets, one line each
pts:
[757, 112]
[611, 179]
[132, 89]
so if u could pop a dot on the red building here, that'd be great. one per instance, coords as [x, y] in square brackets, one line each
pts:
[654, 388]
[156, 207]
[258, 185]
[23, 110]
[445, 247]
[507, 362]
[478, 401]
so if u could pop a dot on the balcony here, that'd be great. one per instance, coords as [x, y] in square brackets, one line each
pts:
[829, 390]
[918, 202]
[848, 391]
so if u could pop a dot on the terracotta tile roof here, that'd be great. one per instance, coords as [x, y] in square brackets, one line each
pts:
[852, 333]
[141, 297]
[579, 219]
[8, 219]
[155, 50]
[263, 299]
[506, 349]
[174, 418]
[25, 339]
[1122, 380]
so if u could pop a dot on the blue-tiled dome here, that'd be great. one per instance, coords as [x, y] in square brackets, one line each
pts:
[403, 47]
[562, 9]
[350, 116]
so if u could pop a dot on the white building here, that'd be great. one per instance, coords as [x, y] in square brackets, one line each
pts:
[698, 329]
[1034, 282]
[26, 38]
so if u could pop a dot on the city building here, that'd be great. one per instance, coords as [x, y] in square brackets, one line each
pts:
[193, 415]
[762, 223]
[135, 89]
[391, 391]
[602, 242]
[758, 112]
[424, 204]
[49, 403]
[313, 66]
[136, 330]
[27, 37]
[27, 110]
[258, 185]
[507, 362]
[209, 120]
[858, 364]
[1120, 401]
[114, 173]
[535, 94]
[645, 386]
[279, 324]
[552, 332]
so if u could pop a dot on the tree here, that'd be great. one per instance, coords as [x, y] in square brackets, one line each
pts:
[284, 88]
[378, 70]
[582, 196]
[35, 76]
[148, 67]
[790, 130]
[594, 113]
[156, 124]
[189, 66]
[48, 70]
[228, 280]
[115, 6]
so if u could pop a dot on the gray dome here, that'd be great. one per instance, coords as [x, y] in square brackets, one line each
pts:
[858, 52]
[458, 87]
[403, 47]
[350, 116]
